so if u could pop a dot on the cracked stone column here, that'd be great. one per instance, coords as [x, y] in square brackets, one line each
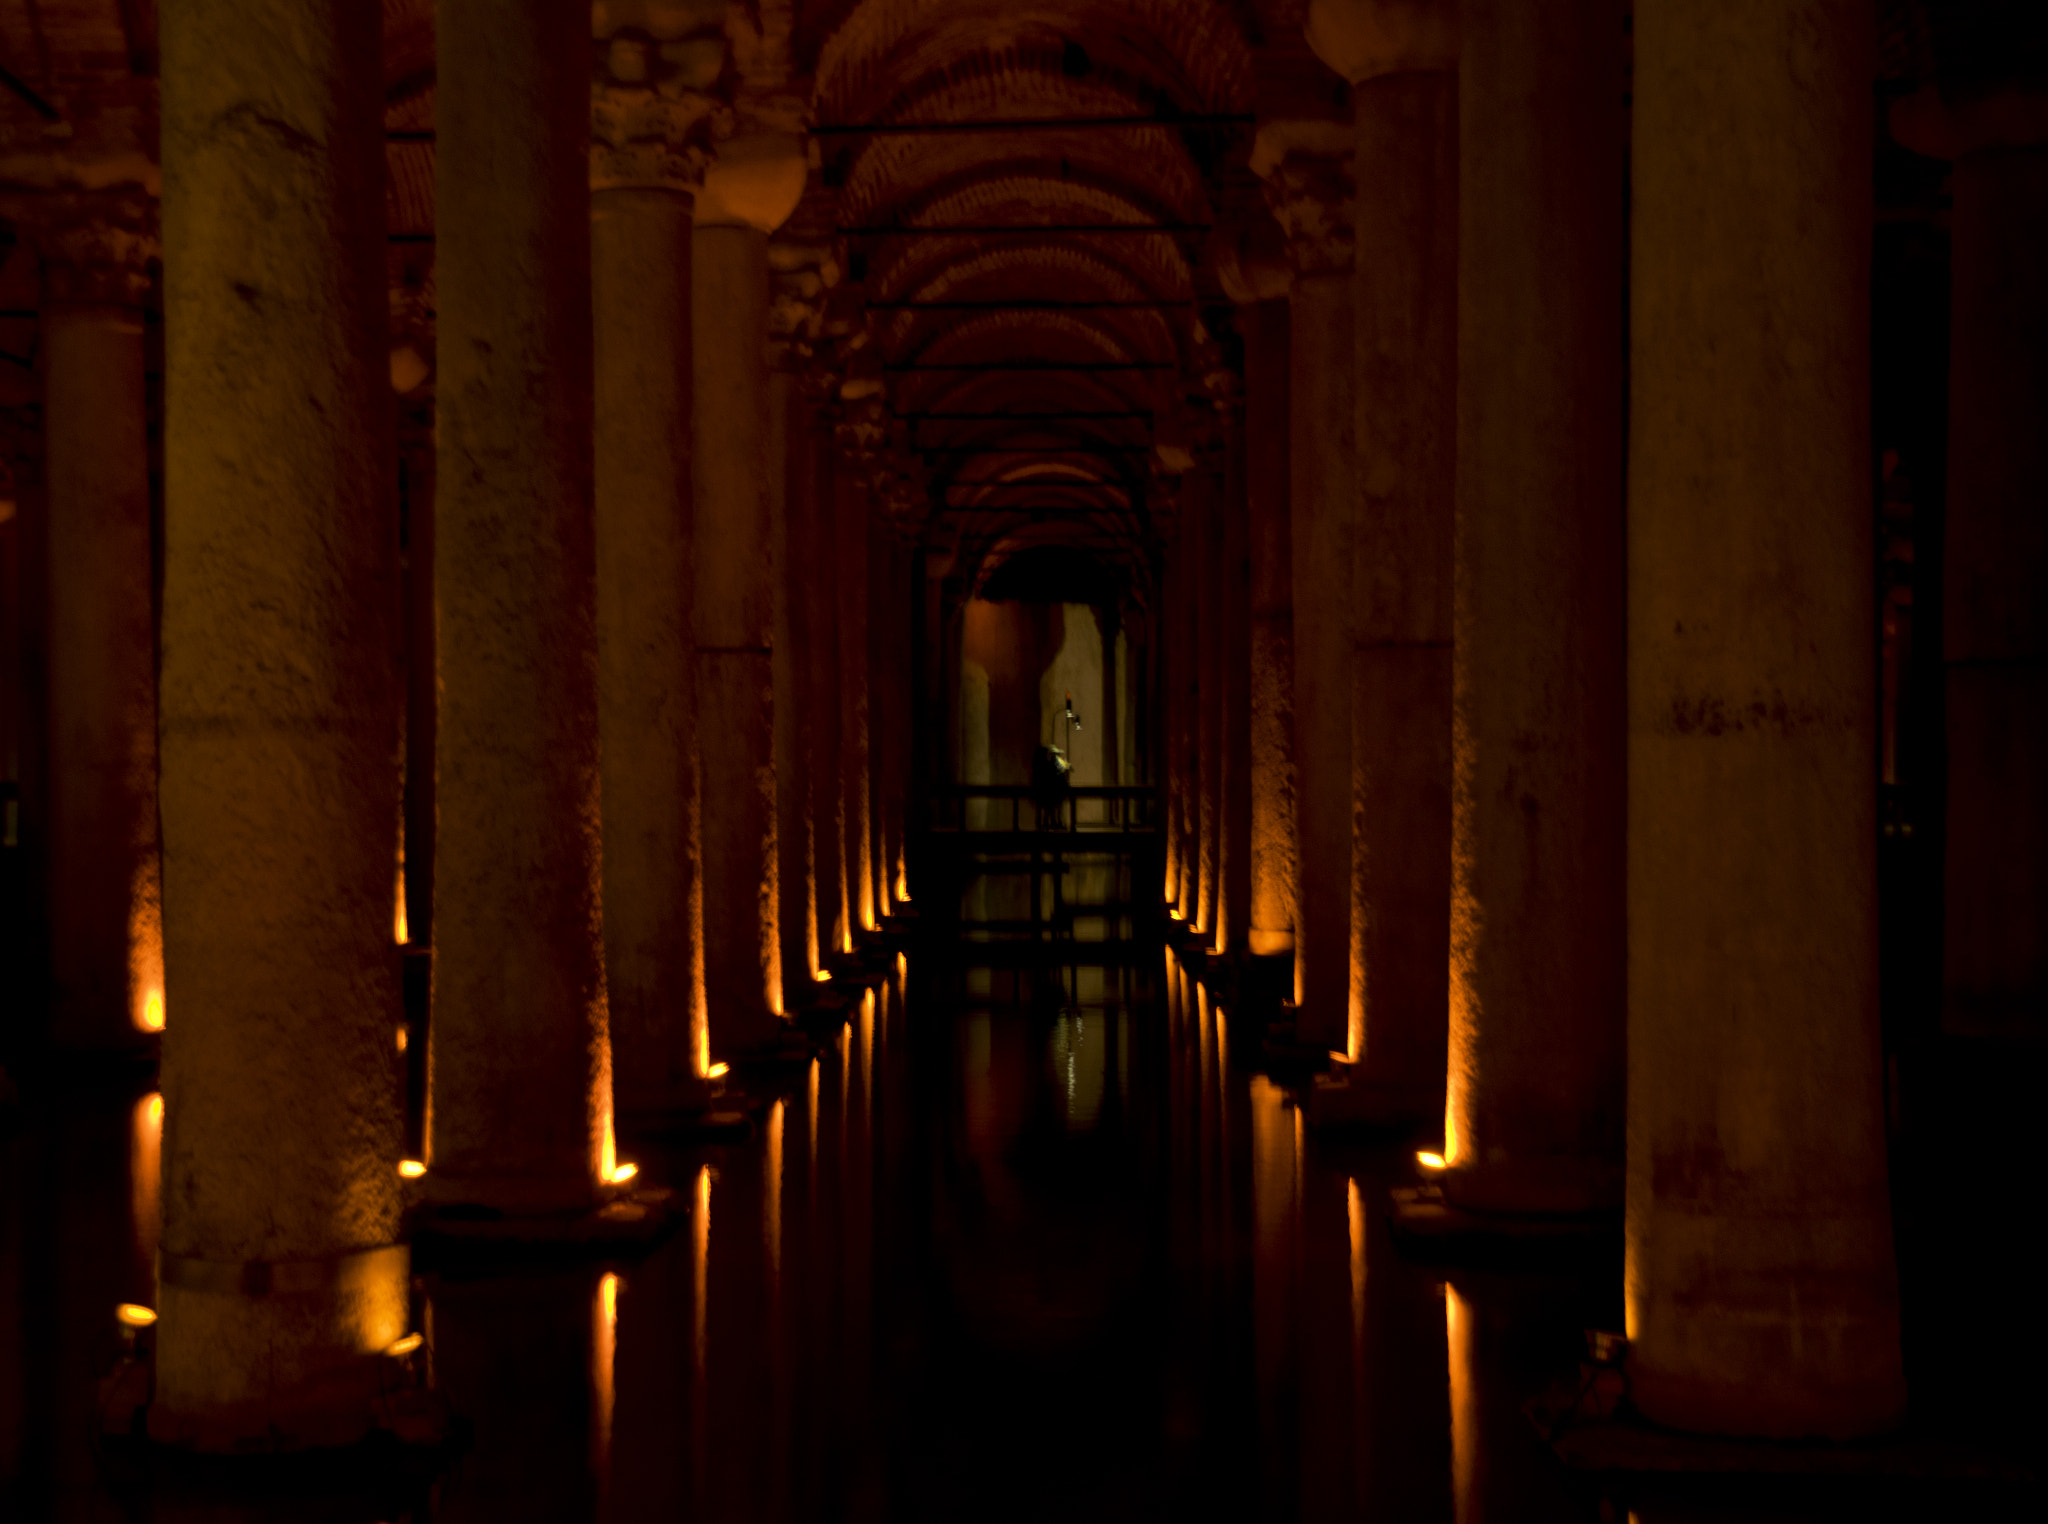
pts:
[280, 1277]
[651, 123]
[1534, 1106]
[1761, 1291]
[520, 1108]
[105, 895]
[1310, 191]
[1994, 623]
[1401, 58]
[749, 190]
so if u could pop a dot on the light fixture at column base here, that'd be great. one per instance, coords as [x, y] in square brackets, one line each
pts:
[633, 1218]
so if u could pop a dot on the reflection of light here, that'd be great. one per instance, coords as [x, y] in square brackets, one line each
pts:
[145, 1179]
[1356, 1214]
[1464, 1414]
[407, 1345]
[153, 1109]
[771, 1188]
[1339, 1058]
[153, 1011]
[700, 1269]
[411, 1169]
[603, 1358]
[1431, 1161]
[402, 1039]
[621, 1173]
[607, 1299]
[398, 927]
[718, 1070]
[131, 1315]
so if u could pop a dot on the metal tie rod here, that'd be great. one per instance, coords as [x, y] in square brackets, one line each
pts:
[1032, 124]
[1020, 229]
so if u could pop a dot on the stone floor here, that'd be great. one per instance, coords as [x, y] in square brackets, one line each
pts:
[998, 1253]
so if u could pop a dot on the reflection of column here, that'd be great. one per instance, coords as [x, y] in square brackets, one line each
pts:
[747, 194]
[104, 905]
[1275, 1226]
[1995, 627]
[1310, 196]
[1401, 60]
[521, 1089]
[1762, 1296]
[643, 175]
[1268, 407]
[850, 546]
[1535, 1074]
[279, 726]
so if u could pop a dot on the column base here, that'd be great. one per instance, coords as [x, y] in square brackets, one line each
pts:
[1548, 1186]
[633, 1219]
[1345, 1099]
[1424, 1222]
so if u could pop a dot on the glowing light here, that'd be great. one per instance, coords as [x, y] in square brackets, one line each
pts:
[134, 1315]
[411, 1169]
[1431, 1161]
[153, 1011]
[718, 1070]
[823, 976]
[1339, 1058]
[145, 1177]
[621, 1173]
[153, 1109]
[406, 1345]
[1174, 911]
[607, 1298]
[402, 1039]
[704, 1049]
[1355, 1218]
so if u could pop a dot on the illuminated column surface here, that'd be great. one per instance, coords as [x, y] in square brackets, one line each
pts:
[1534, 1114]
[104, 901]
[1761, 1291]
[827, 717]
[280, 1278]
[1311, 192]
[1210, 616]
[1995, 550]
[747, 193]
[850, 644]
[1274, 865]
[520, 1110]
[793, 458]
[1233, 661]
[1401, 58]
[647, 158]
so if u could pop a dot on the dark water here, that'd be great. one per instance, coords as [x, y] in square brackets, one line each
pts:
[996, 1254]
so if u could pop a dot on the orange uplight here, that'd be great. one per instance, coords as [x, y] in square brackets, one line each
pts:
[621, 1173]
[1430, 1161]
[718, 1070]
[402, 1039]
[411, 1169]
[153, 1108]
[823, 976]
[153, 1011]
[1339, 1058]
[133, 1315]
[608, 1297]
[407, 1345]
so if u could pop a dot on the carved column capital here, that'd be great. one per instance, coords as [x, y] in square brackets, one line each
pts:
[96, 248]
[1363, 39]
[1309, 188]
[656, 107]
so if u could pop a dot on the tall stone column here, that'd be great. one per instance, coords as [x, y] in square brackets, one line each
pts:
[1275, 863]
[793, 482]
[105, 902]
[1534, 1109]
[521, 1086]
[1401, 59]
[1995, 557]
[1205, 651]
[1234, 880]
[650, 125]
[1171, 785]
[416, 488]
[1310, 193]
[850, 572]
[749, 190]
[828, 748]
[1761, 1290]
[280, 1276]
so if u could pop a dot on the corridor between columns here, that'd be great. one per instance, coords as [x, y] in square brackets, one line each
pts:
[1361, 665]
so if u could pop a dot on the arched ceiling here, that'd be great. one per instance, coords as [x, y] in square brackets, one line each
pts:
[1043, 357]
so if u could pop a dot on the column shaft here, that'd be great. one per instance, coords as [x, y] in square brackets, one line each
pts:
[1406, 249]
[793, 460]
[1761, 1291]
[1534, 1108]
[1322, 508]
[521, 1083]
[733, 618]
[1207, 543]
[1995, 619]
[421, 701]
[105, 901]
[640, 290]
[1268, 408]
[850, 643]
[282, 1081]
[828, 714]
[1234, 880]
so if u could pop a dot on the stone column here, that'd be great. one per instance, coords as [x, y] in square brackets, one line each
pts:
[416, 488]
[793, 481]
[1234, 880]
[1310, 192]
[649, 128]
[1268, 408]
[1401, 59]
[280, 1277]
[1994, 626]
[828, 748]
[520, 1109]
[1761, 1290]
[1205, 651]
[1167, 658]
[1534, 1110]
[850, 644]
[105, 902]
[749, 190]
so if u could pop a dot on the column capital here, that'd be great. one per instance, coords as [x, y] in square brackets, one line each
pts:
[1308, 175]
[96, 247]
[656, 108]
[801, 277]
[1363, 39]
